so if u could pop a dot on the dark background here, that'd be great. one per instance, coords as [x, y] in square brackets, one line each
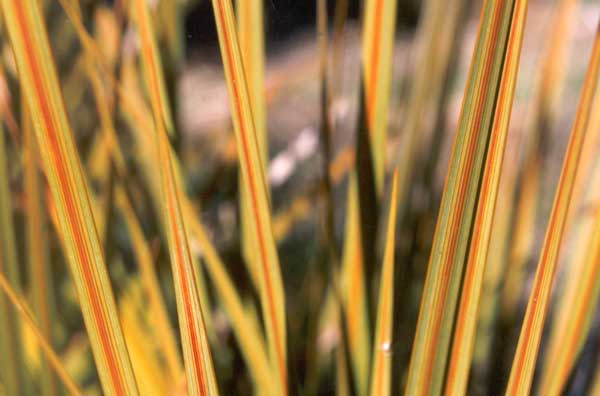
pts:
[283, 18]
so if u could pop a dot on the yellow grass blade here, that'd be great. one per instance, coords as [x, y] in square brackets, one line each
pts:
[198, 362]
[382, 355]
[159, 317]
[251, 36]
[152, 65]
[61, 164]
[466, 321]
[355, 293]
[135, 113]
[197, 357]
[249, 338]
[513, 230]
[578, 302]
[541, 113]
[248, 334]
[531, 331]
[110, 146]
[27, 317]
[132, 106]
[152, 381]
[250, 25]
[573, 314]
[37, 246]
[456, 215]
[379, 25]
[272, 295]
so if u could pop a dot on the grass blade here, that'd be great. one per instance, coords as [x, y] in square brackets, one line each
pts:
[459, 200]
[354, 286]
[63, 170]
[152, 65]
[110, 146]
[573, 313]
[37, 246]
[511, 237]
[248, 336]
[27, 317]
[197, 357]
[466, 322]
[252, 45]
[382, 357]
[159, 317]
[272, 295]
[578, 305]
[379, 25]
[152, 381]
[523, 366]
[251, 37]
[543, 110]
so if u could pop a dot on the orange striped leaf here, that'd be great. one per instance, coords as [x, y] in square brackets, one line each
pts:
[521, 374]
[197, 357]
[379, 25]
[249, 338]
[62, 167]
[250, 25]
[576, 308]
[37, 247]
[456, 215]
[466, 321]
[151, 62]
[253, 176]
[540, 114]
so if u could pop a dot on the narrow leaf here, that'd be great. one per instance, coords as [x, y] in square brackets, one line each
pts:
[152, 65]
[523, 366]
[61, 164]
[197, 357]
[355, 293]
[379, 25]
[159, 317]
[541, 114]
[251, 37]
[37, 246]
[247, 333]
[53, 359]
[466, 321]
[578, 298]
[456, 215]
[382, 355]
[272, 295]
[152, 381]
